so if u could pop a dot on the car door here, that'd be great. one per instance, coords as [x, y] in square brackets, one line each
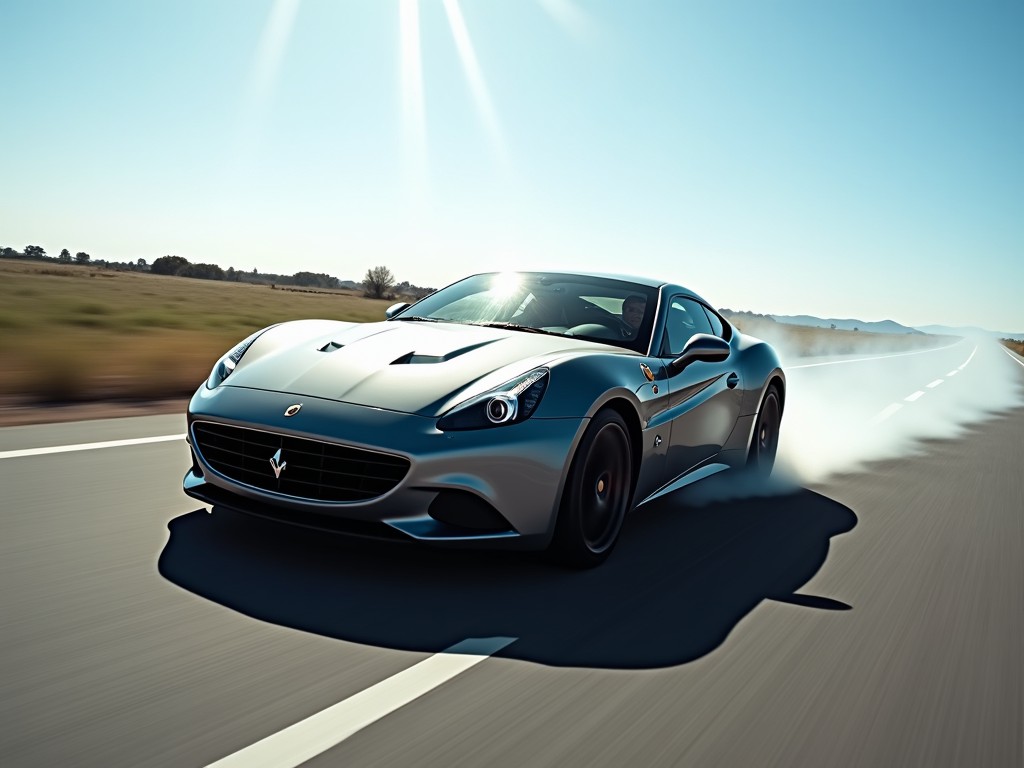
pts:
[704, 398]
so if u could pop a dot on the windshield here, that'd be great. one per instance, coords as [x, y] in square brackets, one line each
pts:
[592, 308]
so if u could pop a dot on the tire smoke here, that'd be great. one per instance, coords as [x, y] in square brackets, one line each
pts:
[844, 414]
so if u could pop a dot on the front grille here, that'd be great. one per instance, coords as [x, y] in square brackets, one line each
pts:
[311, 469]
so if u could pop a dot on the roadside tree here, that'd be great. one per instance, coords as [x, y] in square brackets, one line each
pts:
[202, 271]
[168, 265]
[378, 282]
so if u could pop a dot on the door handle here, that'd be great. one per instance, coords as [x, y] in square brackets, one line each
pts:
[732, 381]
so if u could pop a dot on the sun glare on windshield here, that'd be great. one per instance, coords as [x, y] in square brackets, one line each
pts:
[505, 285]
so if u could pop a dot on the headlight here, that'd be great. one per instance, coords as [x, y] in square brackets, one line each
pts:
[226, 364]
[511, 403]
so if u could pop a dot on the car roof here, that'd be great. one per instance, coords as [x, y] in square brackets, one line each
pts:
[666, 287]
[647, 282]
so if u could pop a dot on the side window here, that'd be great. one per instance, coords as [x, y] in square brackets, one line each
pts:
[717, 327]
[685, 318]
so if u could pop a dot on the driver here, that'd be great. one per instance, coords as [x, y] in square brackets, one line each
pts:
[633, 310]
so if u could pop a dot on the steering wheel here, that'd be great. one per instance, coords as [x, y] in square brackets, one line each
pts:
[625, 329]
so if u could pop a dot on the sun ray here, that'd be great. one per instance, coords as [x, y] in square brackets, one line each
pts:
[272, 47]
[262, 81]
[475, 76]
[256, 97]
[414, 118]
[570, 16]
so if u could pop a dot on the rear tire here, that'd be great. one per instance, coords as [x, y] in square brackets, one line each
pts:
[598, 493]
[765, 444]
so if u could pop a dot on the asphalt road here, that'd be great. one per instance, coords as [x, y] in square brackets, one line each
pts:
[869, 613]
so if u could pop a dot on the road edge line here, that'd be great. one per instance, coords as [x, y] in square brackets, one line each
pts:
[316, 734]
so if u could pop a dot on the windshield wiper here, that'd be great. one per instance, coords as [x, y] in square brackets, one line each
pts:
[420, 319]
[517, 327]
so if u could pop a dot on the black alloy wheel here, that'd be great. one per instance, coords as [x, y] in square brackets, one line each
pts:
[597, 494]
[766, 434]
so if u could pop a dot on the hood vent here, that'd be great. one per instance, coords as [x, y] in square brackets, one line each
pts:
[330, 346]
[413, 359]
[416, 358]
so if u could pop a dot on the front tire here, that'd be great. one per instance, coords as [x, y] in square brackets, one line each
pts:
[597, 495]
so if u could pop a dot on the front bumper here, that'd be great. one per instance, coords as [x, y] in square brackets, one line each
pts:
[516, 470]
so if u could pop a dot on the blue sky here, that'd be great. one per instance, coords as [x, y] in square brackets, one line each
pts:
[831, 157]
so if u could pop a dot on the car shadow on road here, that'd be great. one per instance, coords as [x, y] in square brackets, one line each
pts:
[680, 580]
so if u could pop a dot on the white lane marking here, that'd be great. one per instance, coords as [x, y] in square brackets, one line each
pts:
[88, 446]
[890, 409]
[317, 733]
[879, 357]
[1012, 356]
[886, 413]
[969, 358]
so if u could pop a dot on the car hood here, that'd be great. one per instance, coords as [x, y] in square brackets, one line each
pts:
[412, 367]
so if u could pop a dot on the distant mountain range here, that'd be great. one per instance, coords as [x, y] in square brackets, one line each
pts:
[891, 326]
[846, 324]
[969, 330]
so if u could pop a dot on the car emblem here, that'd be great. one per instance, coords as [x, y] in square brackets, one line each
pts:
[277, 464]
[291, 410]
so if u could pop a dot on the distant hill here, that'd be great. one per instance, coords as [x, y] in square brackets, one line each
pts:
[876, 326]
[969, 330]
[846, 324]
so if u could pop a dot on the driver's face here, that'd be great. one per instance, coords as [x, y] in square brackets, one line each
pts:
[633, 312]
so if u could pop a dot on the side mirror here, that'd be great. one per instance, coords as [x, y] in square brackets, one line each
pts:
[394, 309]
[702, 347]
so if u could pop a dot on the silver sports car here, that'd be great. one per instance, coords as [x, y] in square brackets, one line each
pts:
[527, 409]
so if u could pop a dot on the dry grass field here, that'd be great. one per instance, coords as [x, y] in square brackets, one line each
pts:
[74, 333]
[79, 333]
[1016, 346]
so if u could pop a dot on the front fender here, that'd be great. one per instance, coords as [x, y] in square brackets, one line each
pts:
[581, 386]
